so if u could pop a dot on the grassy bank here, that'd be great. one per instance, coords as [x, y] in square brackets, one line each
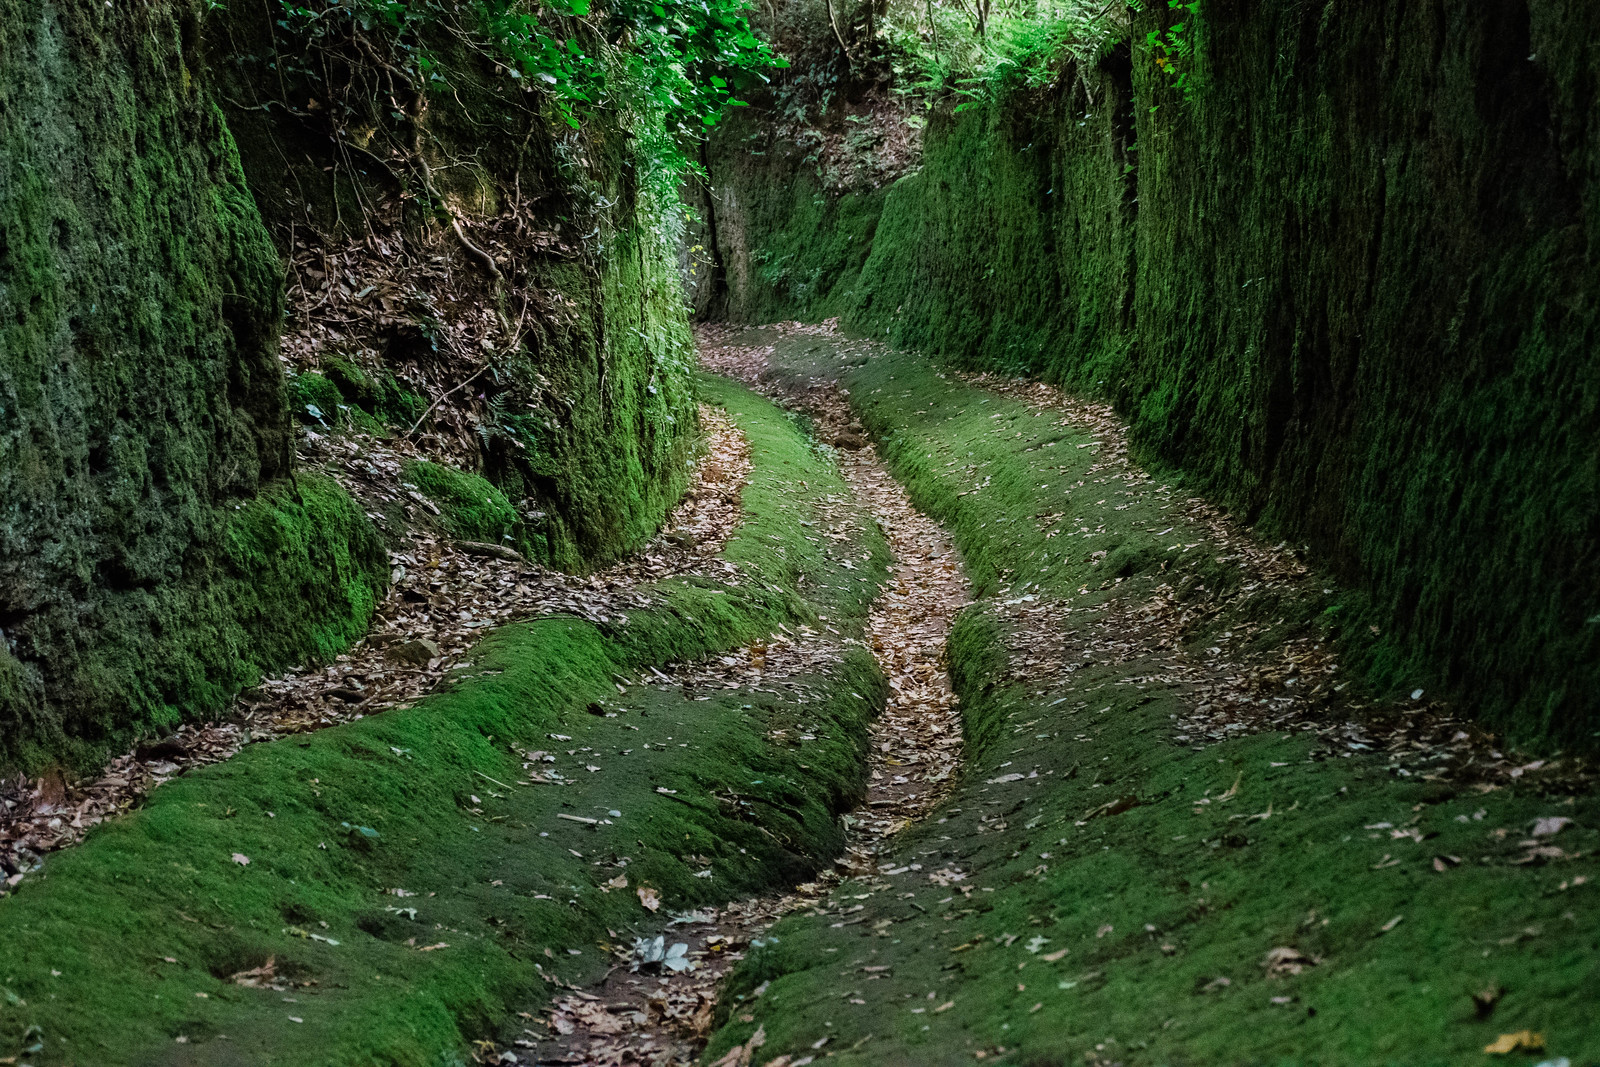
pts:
[405, 884]
[1097, 891]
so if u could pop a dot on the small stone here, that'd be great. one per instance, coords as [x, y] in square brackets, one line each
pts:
[417, 653]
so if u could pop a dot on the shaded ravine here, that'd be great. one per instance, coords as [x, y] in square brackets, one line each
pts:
[445, 596]
[658, 1012]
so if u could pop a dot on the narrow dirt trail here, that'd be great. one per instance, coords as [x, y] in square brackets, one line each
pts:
[657, 1006]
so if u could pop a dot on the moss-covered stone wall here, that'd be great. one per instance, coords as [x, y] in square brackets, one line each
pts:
[583, 413]
[1346, 285]
[152, 557]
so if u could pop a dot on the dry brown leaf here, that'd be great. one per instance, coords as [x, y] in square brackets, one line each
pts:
[1522, 1040]
[261, 977]
[741, 1055]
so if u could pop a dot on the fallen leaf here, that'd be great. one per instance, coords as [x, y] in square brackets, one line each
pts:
[1550, 826]
[1524, 1040]
[1391, 924]
[740, 1055]
[241, 859]
[261, 977]
[649, 898]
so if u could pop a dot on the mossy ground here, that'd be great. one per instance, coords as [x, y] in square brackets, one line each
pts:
[122, 945]
[1220, 884]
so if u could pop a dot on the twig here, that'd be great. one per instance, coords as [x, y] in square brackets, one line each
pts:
[445, 396]
[496, 781]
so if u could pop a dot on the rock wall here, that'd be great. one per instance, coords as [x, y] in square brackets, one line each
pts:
[569, 364]
[1345, 284]
[160, 163]
[152, 558]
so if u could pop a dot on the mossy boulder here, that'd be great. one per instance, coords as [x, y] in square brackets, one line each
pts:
[470, 507]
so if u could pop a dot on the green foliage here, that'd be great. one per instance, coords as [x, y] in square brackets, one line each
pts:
[1173, 46]
[937, 49]
[680, 62]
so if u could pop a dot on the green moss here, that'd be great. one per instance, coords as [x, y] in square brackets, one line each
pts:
[377, 399]
[315, 399]
[307, 569]
[787, 246]
[593, 439]
[342, 394]
[469, 507]
[1190, 885]
[490, 870]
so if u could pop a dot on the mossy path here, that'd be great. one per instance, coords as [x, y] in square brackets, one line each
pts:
[452, 579]
[1183, 834]
[1121, 808]
[394, 889]
[658, 1005]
